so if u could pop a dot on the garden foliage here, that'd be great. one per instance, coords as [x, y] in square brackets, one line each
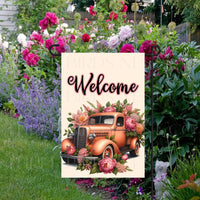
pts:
[176, 75]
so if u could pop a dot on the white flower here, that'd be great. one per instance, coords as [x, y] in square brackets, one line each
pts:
[113, 42]
[126, 32]
[46, 33]
[64, 25]
[21, 38]
[5, 44]
[90, 46]
[92, 35]
[20, 27]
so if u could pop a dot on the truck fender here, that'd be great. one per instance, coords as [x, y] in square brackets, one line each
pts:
[133, 143]
[98, 147]
[65, 143]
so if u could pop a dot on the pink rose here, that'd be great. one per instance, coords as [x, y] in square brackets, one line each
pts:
[70, 150]
[44, 23]
[130, 124]
[32, 59]
[124, 157]
[107, 165]
[91, 11]
[48, 43]
[113, 16]
[53, 19]
[26, 77]
[25, 53]
[37, 37]
[62, 45]
[127, 48]
[109, 109]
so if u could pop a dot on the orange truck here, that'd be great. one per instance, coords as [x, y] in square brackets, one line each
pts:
[97, 135]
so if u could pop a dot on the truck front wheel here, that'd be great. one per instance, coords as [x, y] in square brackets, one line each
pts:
[108, 152]
[135, 152]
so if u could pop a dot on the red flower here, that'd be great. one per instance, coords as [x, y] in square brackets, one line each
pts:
[26, 77]
[70, 150]
[48, 43]
[127, 48]
[146, 48]
[113, 16]
[91, 11]
[85, 37]
[32, 59]
[125, 8]
[189, 183]
[49, 20]
[44, 23]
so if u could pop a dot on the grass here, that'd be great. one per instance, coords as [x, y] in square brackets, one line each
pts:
[30, 168]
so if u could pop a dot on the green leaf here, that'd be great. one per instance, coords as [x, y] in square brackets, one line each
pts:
[125, 101]
[195, 198]
[108, 104]
[91, 104]
[112, 137]
[106, 137]
[69, 119]
[115, 171]
[173, 159]
[159, 119]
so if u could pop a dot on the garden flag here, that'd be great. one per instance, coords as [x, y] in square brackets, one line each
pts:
[102, 115]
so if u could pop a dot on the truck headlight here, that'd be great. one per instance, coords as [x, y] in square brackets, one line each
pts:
[91, 136]
[70, 135]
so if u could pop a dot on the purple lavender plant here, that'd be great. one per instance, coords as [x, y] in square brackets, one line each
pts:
[39, 108]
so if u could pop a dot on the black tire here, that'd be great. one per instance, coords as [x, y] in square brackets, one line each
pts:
[135, 152]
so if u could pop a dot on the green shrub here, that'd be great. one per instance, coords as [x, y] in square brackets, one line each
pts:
[183, 170]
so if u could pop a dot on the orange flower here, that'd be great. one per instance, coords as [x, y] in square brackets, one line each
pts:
[139, 128]
[189, 183]
[81, 118]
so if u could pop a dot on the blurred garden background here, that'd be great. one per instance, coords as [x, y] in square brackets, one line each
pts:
[30, 93]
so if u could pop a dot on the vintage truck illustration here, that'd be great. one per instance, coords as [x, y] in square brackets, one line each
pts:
[101, 127]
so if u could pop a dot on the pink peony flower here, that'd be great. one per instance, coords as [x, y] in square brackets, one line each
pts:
[129, 107]
[62, 45]
[130, 124]
[70, 150]
[107, 165]
[167, 55]
[80, 27]
[32, 59]
[91, 11]
[113, 16]
[44, 23]
[125, 8]
[26, 77]
[127, 48]
[16, 115]
[25, 53]
[72, 37]
[81, 118]
[146, 48]
[82, 152]
[124, 157]
[109, 109]
[29, 43]
[53, 19]
[48, 43]
[37, 37]
[85, 37]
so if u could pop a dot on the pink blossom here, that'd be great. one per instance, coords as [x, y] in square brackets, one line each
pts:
[125, 8]
[62, 45]
[26, 77]
[167, 55]
[16, 115]
[25, 53]
[180, 62]
[109, 109]
[48, 43]
[81, 118]
[29, 43]
[72, 37]
[32, 59]
[130, 124]
[82, 152]
[129, 107]
[124, 157]
[114, 197]
[80, 27]
[91, 11]
[113, 16]
[150, 30]
[37, 37]
[127, 48]
[107, 165]
[53, 19]
[44, 23]
[70, 150]
[146, 48]
[126, 32]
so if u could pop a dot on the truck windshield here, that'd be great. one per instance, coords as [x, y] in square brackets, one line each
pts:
[108, 119]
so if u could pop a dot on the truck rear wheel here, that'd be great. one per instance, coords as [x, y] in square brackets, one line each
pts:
[135, 152]
[108, 152]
